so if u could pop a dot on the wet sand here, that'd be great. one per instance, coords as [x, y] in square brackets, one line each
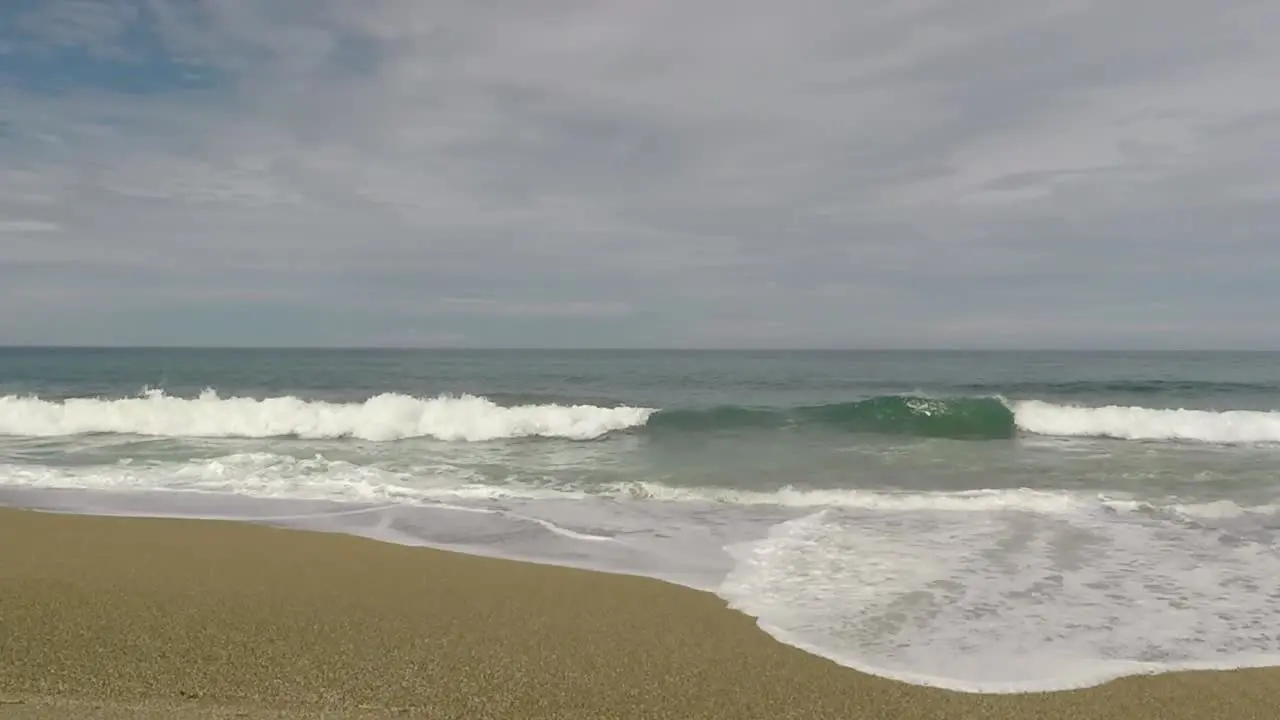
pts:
[147, 618]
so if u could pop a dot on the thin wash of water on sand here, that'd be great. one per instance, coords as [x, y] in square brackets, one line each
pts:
[987, 522]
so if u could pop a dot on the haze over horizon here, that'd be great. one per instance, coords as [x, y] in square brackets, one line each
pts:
[640, 350]
[908, 174]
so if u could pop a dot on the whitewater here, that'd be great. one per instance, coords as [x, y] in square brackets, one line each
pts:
[996, 523]
[393, 416]
[384, 417]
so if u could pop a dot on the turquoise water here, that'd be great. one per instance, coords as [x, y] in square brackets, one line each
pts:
[983, 521]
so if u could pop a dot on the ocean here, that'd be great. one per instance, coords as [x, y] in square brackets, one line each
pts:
[988, 522]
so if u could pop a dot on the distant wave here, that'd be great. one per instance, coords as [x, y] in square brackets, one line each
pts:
[1229, 427]
[977, 418]
[380, 418]
[987, 418]
[1104, 388]
[472, 418]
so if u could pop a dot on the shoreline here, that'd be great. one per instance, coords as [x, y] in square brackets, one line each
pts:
[923, 681]
[208, 618]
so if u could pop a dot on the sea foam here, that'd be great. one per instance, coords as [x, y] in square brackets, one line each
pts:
[1139, 423]
[995, 590]
[381, 418]
[392, 416]
[1015, 599]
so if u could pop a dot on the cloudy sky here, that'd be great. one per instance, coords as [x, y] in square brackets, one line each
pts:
[742, 173]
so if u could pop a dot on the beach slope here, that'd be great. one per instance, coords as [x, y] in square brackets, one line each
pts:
[130, 617]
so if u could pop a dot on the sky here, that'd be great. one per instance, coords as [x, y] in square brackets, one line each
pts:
[666, 173]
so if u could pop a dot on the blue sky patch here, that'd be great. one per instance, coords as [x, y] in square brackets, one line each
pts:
[125, 55]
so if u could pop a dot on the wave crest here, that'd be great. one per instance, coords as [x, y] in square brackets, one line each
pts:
[1230, 427]
[473, 418]
[381, 418]
[992, 418]
[965, 418]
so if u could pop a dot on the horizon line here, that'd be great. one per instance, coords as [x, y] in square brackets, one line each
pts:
[730, 349]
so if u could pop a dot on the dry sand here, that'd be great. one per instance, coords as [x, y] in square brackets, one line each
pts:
[144, 618]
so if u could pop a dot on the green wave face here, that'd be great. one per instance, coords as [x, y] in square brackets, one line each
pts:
[965, 418]
[959, 418]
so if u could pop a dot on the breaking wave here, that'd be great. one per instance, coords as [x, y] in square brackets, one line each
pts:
[1230, 427]
[959, 418]
[389, 417]
[380, 418]
[990, 418]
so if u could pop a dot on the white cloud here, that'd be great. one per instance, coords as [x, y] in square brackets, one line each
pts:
[831, 174]
[27, 226]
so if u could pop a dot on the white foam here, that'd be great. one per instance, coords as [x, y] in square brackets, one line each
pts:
[1229, 427]
[1223, 510]
[272, 476]
[268, 476]
[1013, 600]
[392, 416]
[280, 477]
[986, 591]
[380, 418]
[1044, 501]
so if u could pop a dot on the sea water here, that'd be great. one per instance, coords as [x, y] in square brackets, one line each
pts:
[989, 522]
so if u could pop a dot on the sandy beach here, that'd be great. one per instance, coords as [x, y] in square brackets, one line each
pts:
[138, 618]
